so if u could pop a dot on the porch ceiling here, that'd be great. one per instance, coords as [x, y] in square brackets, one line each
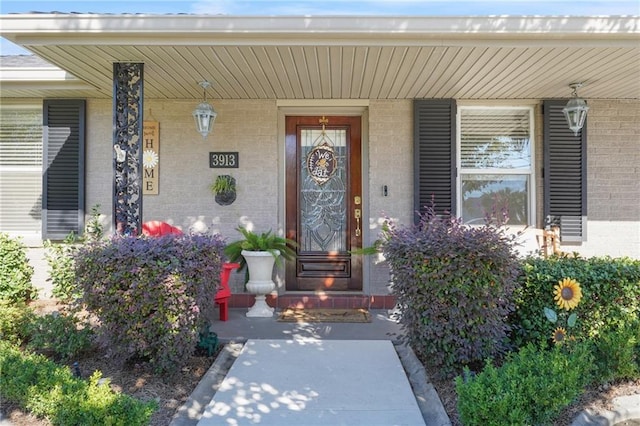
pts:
[339, 57]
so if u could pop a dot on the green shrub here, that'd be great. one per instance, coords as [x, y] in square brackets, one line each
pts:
[151, 295]
[59, 257]
[610, 288]
[530, 388]
[14, 320]
[58, 335]
[50, 391]
[454, 285]
[15, 271]
[94, 231]
[617, 352]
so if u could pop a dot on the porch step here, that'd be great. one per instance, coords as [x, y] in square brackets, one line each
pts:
[312, 300]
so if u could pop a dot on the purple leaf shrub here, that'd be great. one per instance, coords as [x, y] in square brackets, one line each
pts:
[151, 295]
[454, 285]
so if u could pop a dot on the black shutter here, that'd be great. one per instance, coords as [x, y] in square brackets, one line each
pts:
[434, 122]
[565, 174]
[63, 164]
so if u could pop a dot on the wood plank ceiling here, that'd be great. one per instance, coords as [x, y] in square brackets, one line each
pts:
[376, 68]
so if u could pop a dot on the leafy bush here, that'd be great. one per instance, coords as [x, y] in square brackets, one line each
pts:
[152, 295]
[94, 231]
[15, 271]
[58, 335]
[454, 285]
[617, 353]
[530, 388]
[50, 391]
[14, 320]
[610, 287]
[59, 257]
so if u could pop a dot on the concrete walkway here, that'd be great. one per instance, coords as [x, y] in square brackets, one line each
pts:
[315, 382]
[276, 373]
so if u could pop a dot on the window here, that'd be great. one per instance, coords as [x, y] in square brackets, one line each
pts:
[491, 164]
[20, 169]
[495, 163]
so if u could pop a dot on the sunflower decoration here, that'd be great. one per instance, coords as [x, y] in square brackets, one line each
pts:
[559, 335]
[567, 293]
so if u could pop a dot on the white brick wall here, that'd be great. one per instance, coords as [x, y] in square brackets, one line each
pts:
[391, 164]
[251, 128]
[613, 179]
[184, 199]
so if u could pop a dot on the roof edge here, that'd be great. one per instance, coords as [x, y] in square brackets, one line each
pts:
[56, 23]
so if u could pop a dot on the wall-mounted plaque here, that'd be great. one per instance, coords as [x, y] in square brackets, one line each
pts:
[321, 163]
[151, 158]
[223, 160]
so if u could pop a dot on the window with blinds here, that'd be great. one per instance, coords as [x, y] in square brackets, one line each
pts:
[495, 163]
[20, 169]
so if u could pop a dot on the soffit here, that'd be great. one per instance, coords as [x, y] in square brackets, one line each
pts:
[342, 58]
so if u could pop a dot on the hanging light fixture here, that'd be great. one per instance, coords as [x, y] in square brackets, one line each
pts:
[576, 110]
[204, 114]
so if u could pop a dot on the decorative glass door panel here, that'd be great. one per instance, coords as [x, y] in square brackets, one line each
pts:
[323, 200]
[323, 177]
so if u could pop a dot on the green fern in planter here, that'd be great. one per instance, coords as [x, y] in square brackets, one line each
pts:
[266, 241]
[223, 184]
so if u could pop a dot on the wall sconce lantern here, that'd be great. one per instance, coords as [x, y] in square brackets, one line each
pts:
[576, 110]
[204, 114]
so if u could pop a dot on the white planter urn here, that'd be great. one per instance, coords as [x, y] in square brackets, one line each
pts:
[260, 264]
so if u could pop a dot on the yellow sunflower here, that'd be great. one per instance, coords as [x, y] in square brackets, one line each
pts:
[568, 293]
[559, 334]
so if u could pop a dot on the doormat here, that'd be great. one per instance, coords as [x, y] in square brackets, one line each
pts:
[324, 315]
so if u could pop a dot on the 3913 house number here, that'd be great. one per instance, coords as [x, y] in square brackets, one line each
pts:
[223, 160]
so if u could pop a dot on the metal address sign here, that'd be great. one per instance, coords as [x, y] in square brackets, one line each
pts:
[223, 160]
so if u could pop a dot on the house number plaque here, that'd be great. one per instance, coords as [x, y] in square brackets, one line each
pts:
[223, 160]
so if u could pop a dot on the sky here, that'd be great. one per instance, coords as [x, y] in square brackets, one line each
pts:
[325, 7]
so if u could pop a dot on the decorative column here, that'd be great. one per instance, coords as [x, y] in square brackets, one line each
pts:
[127, 147]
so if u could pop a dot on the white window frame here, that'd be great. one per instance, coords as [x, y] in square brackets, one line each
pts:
[531, 190]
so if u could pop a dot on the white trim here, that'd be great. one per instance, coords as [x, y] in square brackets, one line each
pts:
[530, 171]
[40, 78]
[323, 103]
[47, 23]
[34, 74]
[21, 104]
[133, 29]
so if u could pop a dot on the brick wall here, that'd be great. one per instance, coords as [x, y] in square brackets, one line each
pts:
[613, 179]
[390, 164]
[251, 128]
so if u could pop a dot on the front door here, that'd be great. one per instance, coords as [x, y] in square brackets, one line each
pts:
[324, 202]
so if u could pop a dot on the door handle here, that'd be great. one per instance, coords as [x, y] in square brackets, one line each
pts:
[357, 214]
